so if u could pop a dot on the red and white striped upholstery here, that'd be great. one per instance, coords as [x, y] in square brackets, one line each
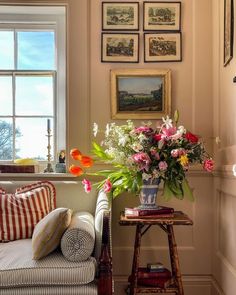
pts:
[20, 212]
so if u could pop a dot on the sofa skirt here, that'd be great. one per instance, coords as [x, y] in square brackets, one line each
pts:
[89, 289]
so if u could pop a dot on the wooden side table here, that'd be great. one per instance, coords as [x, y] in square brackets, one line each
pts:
[166, 224]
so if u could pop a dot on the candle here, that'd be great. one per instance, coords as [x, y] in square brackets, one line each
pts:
[49, 124]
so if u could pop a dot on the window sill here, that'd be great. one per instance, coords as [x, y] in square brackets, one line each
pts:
[38, 176]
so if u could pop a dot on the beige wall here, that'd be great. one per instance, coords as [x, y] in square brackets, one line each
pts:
[89, 101]
[224, 93]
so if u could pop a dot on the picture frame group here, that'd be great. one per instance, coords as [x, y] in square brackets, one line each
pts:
[162, 43]
[140, 93]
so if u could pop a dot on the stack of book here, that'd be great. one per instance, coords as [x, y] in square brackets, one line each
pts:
[161, 211]
[154, 275]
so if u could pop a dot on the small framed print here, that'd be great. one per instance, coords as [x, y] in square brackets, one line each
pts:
[120, 16]
[228, 30]
[161, 16]
[120, 47]
[140, 93]
[161, 47]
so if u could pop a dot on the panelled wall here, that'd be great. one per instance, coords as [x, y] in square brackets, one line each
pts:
[89, 101]
[224, 207]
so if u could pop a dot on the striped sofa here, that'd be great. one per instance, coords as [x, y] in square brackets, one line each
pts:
[53, 274]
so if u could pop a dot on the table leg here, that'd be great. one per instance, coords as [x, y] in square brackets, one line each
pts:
[174, 258]
[134, 275]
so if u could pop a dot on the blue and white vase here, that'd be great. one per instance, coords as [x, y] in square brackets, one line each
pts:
[148, 193]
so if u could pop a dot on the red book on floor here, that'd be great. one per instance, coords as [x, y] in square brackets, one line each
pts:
[155, 282]
[144, 273]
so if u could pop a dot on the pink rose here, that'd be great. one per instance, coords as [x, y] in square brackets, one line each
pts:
[162, 165]
[143, 160]
[182, 152]
[107, 186]
[87, 185]
[174, 153]
[208, 165]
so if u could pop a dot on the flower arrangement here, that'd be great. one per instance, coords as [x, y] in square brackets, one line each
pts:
[142, 153]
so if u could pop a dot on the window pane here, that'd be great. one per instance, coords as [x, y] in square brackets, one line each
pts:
[34, 95]
[36, 50]
[33, 141]
[6, 50]
[6, 139]
[5, 95]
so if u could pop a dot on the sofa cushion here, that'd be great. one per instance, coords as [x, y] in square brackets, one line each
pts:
[77, 243]
[18, 269]
[48, 232]
[20, 212]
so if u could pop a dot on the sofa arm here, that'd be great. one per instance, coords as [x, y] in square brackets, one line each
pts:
[105, 260]
[103, 250]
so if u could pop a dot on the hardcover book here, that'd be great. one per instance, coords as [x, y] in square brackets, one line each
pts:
[161, 210]
[155, 282]
[150, 216]
[144, 273]
[14, 168]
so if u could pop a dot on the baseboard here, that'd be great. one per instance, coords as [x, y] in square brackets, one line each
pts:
[193, 285]
[216, 290]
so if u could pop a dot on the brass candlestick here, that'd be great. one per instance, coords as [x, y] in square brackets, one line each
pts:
[49, 156]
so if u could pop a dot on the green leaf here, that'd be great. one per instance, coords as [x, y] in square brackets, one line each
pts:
[176, 116]
[187, 190]
[167, 193]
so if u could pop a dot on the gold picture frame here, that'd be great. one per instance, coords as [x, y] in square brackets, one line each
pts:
[228, 30]
[140, 93]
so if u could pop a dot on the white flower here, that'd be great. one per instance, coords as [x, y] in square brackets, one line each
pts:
[146, 176]
[123, 140]
[107, 130]
[167, 122]
[137, 147]
[95, 129]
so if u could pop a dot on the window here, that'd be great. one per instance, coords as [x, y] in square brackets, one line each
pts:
[32, 81]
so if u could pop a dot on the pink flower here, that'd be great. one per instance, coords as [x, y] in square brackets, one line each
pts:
[162, 165]
[168, 132]
[182, 152]
[208, 165]
[174, 153]
[143, 129]
[143, 160]
[107, 186]
[154, 153]
[87, 185]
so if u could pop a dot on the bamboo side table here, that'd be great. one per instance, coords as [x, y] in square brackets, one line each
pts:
[166, 224]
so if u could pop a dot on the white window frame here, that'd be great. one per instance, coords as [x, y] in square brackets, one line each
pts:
[25, 17]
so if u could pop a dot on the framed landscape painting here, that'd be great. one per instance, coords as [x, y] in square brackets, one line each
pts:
[120, 16]
[140, 93]
[120, 47]
[228, 30]
[161, 47]
[161, 16]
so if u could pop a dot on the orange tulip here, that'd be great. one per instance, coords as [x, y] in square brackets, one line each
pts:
[75, 154]
[86, 161]
[75, 170]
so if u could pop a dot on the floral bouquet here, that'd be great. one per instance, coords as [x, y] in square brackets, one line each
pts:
[138, 154]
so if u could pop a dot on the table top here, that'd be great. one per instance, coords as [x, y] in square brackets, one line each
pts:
[179, 218]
